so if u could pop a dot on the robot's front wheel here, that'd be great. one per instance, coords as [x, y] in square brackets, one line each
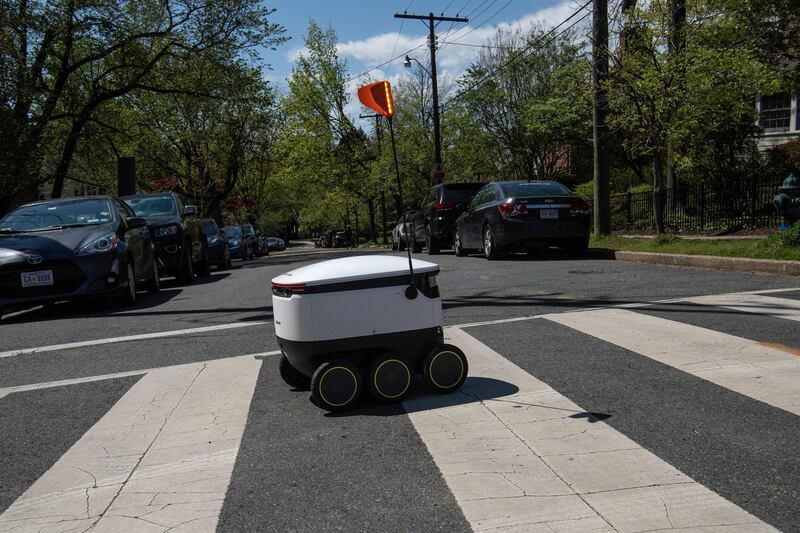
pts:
[292, 376]
[389, 378]
[445, 368]
[335, 385]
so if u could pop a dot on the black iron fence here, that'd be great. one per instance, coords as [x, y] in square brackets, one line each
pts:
[729, 204]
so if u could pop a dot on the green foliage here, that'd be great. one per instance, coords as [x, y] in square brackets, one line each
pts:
[789, 238]
[79, 60]
[585, 191]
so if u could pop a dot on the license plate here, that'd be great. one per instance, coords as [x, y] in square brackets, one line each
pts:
[37, 279]
[548, 213]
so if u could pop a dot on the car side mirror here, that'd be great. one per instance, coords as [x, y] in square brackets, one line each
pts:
[136, 222]
[190, 211]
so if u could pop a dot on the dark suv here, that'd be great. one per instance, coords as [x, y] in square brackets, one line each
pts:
[178, 234]
[434, 221]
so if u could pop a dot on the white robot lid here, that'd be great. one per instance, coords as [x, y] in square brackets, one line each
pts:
[352, 269]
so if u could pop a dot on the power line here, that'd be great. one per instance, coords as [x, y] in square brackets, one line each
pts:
[484, 22]
[394, 48]
[523, 53]
[376, 67]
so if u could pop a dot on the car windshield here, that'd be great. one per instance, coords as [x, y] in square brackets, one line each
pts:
[233, 231]
[65, 213]
[146, 206]
[460, 194]
[512, 190]
[248, 230]
[210, 227]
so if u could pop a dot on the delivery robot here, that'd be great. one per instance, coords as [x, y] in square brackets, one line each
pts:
[360, 322]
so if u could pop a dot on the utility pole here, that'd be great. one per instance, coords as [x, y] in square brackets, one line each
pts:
[430, 19]
[602, 193]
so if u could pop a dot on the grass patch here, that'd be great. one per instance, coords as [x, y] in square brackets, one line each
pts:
[785, 246]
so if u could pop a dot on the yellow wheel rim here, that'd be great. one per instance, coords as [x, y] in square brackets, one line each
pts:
[322, 380]
[433, 360]
[375, 378]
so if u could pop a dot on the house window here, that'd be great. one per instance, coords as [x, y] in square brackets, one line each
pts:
[776, 112]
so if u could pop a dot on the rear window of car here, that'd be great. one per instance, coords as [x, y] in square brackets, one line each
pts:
[210, 226]
[552, 188]
[461, 193]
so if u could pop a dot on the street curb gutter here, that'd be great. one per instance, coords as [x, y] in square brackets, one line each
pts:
[734, 264]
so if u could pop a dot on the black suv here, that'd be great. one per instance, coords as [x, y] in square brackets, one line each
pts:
[434, 220]
[178, 234]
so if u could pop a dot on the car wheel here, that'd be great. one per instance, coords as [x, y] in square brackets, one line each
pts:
[431, 244]
[128, 294]
[154, 285]
[458, 246]
[186, 274]
[415, 246]
[489, 246]
[204, 268]
[293, 377]
[395, 246]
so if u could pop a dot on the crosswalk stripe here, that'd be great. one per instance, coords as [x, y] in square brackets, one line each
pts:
[5, 391]
[162, 456]
[752, 303]
[741, 365]
[519, 456]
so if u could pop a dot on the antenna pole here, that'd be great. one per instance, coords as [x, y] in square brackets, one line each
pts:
[411, 292]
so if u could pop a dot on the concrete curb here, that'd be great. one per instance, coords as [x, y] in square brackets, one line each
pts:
[734, 264]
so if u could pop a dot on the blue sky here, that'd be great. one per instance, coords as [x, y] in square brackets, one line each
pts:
[368, 31]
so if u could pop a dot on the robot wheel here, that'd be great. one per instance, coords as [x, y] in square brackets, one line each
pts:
[445, 368]
[335, 385]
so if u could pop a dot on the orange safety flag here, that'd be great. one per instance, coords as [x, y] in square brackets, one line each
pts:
[378, 97]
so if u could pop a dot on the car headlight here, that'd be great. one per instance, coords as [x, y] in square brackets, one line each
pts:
[235, 242]
[104, 243]
[213, 240]
[165, 231]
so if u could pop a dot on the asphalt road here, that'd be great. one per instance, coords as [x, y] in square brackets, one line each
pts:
[298, 469]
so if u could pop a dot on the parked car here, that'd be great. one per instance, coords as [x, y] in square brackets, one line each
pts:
[72, 248]
[177, 233]
[217, 242]
[523, 215]
[432, 226]
[239, 244]
[250, 233]
[263, 245]
[401, 233]
[276, 243]
[340, 239]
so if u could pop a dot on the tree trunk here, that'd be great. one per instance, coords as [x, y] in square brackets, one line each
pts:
[658, 192]
[372, 232]
[70, 145]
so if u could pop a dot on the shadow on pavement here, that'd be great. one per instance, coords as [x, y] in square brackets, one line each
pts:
[475, 389]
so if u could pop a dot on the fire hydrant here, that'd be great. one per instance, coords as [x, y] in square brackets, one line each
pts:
[788, 200]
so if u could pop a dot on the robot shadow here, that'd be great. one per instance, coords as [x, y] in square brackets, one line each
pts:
[474, 389]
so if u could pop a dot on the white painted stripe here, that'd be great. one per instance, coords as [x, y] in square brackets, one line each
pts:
[162, 457]
[102, 377]
[532, 460]
[129, 338]
[753, 303]
[770, 291]
[742, 365]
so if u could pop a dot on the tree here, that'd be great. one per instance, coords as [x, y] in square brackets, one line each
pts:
[698, 103]
[63, 60]
[532, 103]
[326, 160]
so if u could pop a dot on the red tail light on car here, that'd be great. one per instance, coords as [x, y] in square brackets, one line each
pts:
[445, 206]
[512, 208]
[579, 207]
